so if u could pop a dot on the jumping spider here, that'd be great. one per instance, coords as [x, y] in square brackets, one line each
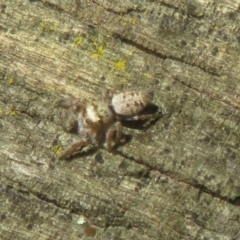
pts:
[100, 122]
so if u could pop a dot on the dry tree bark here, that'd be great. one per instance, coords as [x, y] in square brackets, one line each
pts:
[177, 179]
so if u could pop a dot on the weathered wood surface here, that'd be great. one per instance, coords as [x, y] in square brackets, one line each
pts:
[177, 179]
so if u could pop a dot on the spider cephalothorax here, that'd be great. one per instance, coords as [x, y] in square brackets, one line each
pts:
[100, 122]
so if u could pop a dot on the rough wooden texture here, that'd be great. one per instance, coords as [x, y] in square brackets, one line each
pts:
[177, 179]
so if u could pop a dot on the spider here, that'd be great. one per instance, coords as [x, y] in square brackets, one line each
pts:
[101, 122]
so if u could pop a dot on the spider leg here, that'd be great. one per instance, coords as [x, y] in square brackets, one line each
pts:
[70, 121]
[109, 138]
[71, 103]
[114, 134]
[118, 132]
[106, 95]
[143, 117]
[72, 149]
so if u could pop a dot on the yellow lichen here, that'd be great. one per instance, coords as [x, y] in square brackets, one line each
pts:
[120, 65]
[10, 80]
[13, 112]
[1, 111]
[128, 21]
[99, 52]
[57, 149]
[48, 26]
[78, 41]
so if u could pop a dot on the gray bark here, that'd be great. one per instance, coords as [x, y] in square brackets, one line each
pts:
[177, 179]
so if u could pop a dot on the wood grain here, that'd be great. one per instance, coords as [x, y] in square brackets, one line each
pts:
[178, 178]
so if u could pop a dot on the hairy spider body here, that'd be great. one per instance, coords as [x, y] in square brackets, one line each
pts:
[100, 122]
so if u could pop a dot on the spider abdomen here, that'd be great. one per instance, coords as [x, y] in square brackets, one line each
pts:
[130, 103]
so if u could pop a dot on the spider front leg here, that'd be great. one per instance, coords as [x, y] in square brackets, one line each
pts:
[73, 149]
[73, 105]
[106, 96]
[69, 122]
